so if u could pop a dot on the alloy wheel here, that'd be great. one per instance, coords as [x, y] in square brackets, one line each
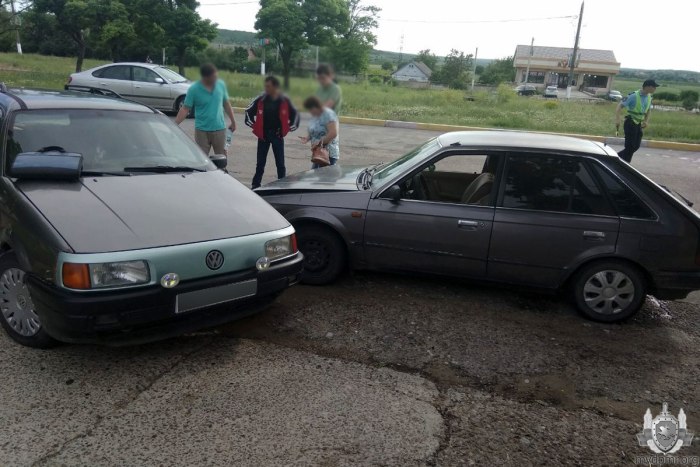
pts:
[16, 304]
[608, 292]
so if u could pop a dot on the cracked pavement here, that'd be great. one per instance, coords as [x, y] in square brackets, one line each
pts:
[375, 370]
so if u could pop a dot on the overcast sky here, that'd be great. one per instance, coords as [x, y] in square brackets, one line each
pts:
[642, 33]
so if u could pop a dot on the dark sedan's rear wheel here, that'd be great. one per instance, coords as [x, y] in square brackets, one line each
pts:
[324, 254]
[609, 291]
[18, 315]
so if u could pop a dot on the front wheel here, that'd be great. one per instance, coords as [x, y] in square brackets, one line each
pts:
[324, 254]
[18, 314]
[609, 291]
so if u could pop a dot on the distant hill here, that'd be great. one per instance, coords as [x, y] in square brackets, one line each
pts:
[675, 76]
[377, 57]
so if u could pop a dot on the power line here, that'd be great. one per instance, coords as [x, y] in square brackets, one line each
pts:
[515, 20]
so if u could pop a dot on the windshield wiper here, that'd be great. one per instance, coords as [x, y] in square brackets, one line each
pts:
[164, 169]
[96, 173]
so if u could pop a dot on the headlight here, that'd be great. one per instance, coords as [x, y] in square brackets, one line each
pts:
[281, 247]
[105, 275]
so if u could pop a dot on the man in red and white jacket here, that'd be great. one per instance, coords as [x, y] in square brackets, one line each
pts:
[271, 116]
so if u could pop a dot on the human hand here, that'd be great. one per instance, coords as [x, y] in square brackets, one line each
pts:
[645, 124]
[304, 139]
[232, 126]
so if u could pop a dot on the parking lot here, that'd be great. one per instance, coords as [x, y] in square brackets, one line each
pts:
[375, 370]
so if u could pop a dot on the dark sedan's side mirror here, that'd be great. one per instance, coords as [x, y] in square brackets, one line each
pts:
[220, 161]
[394, 193]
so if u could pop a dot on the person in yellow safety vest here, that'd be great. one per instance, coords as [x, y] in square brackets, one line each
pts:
[638, 105]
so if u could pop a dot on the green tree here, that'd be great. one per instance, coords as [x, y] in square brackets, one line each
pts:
[479, 69]
[293, 25]
[77, 18]
[428, 58]
[186, 30]
[455, 71]
[388, 66]
[498, 71]
[351, 52]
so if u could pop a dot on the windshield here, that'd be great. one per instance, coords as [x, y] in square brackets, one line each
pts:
[402, 163]
[109, 140]
[170, 75]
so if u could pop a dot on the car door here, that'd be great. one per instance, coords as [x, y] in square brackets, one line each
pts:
[552, 215]
[150, 88]
[442, 222]
[116, 78]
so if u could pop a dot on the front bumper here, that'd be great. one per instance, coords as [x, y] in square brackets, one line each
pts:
[142, 315]
[675, 285]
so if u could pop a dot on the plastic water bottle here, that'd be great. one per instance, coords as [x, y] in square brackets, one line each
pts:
[229, 138]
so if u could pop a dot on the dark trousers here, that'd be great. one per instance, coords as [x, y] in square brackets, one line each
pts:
[633, 140]
[272, 138]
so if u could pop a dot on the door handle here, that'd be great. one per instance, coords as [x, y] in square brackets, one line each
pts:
[592, 235]
[467, 224]
[103, 84]
[137, 86]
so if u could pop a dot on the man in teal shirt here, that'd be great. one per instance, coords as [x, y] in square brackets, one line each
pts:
[209, 99]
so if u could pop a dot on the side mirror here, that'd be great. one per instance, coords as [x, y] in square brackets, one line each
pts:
[160, 81]
[50, 165]
[220, 161]
[394, 193]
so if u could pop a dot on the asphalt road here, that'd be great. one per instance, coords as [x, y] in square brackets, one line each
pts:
[375, 370]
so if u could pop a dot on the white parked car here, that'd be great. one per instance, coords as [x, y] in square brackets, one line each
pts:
[552, 92]
[150, 84]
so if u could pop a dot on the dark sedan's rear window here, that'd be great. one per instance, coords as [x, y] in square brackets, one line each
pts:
[627, 203]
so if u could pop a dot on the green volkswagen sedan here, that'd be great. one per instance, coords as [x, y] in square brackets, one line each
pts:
[116, 228]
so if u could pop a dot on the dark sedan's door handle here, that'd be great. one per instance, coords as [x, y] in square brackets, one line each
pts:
[468, 225]
[591, 235]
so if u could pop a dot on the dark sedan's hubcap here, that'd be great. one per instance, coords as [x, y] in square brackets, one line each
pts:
[16, 304]
[608, 292]
[316, 255]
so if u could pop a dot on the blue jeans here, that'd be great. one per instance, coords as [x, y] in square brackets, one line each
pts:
[316, 166]
[272, 138]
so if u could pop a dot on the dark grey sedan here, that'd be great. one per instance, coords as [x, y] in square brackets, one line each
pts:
[530, 209]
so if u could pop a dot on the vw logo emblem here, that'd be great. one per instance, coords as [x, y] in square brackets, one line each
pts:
[170, 280]
[215, 259]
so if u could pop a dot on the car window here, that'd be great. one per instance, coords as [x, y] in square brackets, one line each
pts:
[626, 201]
[144, 75]
[405, 162]
[108, 140]
[170, 75]
[457, 179]
[116, 72]
[551, 183]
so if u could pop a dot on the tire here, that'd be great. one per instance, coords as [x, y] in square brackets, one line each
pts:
[609, 291]
[17, 314]
[324, 254]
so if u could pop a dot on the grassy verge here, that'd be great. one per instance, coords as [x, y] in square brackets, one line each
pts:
[497, 110]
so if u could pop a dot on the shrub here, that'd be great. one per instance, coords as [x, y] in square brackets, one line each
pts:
[376, 80]
[504, 93]
[667, 96]
[551, 105]
[689, 99]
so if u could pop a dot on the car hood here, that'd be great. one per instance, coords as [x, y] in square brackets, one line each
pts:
[147, 211]
[332, 178]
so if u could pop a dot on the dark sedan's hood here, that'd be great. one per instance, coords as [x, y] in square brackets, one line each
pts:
[333, 178]
[147, 211]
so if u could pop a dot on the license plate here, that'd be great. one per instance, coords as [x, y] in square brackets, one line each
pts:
[215, 296]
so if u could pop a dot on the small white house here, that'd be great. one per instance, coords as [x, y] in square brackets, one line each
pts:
[415, 71]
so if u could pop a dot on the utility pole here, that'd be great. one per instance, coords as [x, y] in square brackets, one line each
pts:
[401, 50]
[317, 47]
[15, 21]
[476, 55]
[529, 60]
[574, 55]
